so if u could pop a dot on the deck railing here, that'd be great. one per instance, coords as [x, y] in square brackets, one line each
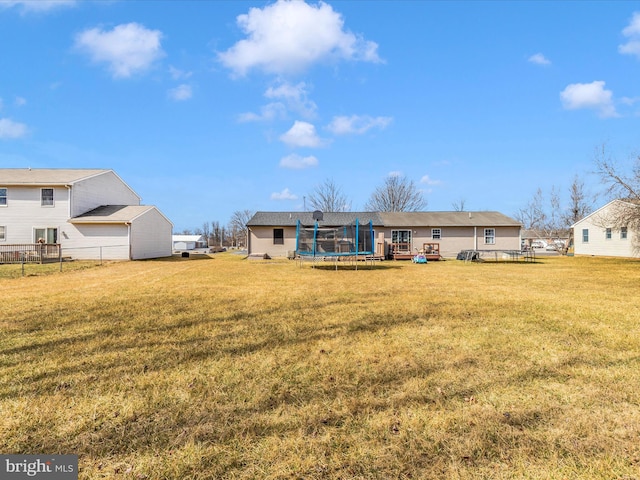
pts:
[30, 253]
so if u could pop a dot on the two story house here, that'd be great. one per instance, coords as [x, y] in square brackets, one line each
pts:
[90, 213]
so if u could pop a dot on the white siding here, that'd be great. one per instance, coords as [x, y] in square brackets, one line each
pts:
[184, 245]
[103, 189]
[24, 213]
[598, 244]
[151, 236]
[96, 241]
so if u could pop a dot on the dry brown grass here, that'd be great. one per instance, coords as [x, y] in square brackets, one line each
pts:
[227, 368]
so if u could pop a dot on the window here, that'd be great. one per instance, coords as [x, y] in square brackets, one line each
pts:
[585, 235]
[401, 236]
[607, 234]
[623, 233]
[46, 197]
[490, 236]
[46, 235]
[3, 197]
[3, 233]
[278, 236]
[436, 233]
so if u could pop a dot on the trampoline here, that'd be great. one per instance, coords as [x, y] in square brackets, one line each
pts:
[351, 242]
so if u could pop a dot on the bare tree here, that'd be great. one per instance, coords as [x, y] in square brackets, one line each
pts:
[216, 233]
[533, 216]
[397, 194]
[459, 205]
[206, 230]
[622, 184]
[581, 203]
[238, 227]
[619, 184]
[328, 197]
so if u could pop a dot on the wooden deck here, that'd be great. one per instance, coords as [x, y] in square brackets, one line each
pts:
[30, 253]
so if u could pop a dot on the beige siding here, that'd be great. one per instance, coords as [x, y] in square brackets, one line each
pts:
[151, 236]
[103, 189]
[261, 241]
[455, 239]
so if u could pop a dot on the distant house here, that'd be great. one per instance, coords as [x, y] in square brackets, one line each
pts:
[540, 239]
[600, 233]
[274, 233]
[90, 213]
[189, 242]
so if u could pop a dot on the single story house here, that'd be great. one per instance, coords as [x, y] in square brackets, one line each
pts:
[87, 213]
[189, 242]
[274, 233]
[604, 232]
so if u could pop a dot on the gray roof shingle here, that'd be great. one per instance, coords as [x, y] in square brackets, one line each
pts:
[112, 214]
[387, 219]
[290, 219]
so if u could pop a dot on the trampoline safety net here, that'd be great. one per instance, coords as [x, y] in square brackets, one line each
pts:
[345, 240]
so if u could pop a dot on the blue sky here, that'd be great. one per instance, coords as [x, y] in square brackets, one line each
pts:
[209, 107]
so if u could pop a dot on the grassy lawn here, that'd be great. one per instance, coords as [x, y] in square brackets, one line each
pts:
[207, 368]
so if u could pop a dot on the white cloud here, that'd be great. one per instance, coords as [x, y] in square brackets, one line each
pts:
[267, 113]
[283, 195]
[37, 5]
[178, 74]
[11, 129]
[632, 32]
[539, 59]
[589, 95]
[357, 124]
[629, 100]
[127, 49]
[290, 35]
[429, 181]
[20, 101]
[298, 162]
[181, 92]
[294, 96]
[302, 134]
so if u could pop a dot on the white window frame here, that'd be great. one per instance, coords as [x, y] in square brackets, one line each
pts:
[436, 233]
[607, 234]
[3, 233]
[398, 236]
[53, 197]
[489, 236]
[47, 231]
[4, 200]
[585, 235]
[623, 233]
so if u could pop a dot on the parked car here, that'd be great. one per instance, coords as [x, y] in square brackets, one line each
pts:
[538, 244]
[557, 245]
